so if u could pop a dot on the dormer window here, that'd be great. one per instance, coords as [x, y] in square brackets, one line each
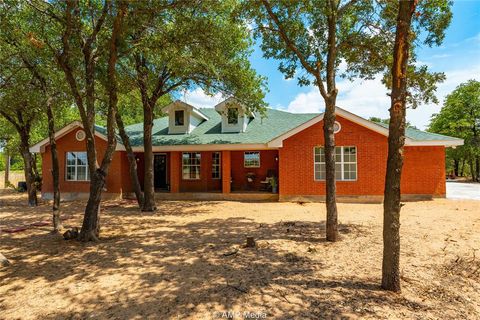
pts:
[232, 115]
[179, 117]
[235, 115]
[183, 118]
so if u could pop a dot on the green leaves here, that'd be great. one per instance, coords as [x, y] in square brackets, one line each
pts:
[460, 117]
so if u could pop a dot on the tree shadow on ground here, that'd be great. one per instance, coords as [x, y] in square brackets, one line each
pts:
[163, 268]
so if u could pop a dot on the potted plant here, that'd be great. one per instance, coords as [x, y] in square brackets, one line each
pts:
[274, 184]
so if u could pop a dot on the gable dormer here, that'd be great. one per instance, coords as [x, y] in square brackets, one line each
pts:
[182, 117]
[235, 116]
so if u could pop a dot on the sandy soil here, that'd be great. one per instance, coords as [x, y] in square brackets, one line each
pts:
[181, 263]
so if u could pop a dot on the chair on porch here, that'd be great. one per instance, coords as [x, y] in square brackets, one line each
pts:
[266, 186]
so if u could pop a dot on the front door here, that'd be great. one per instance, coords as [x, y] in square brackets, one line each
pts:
[160, 171]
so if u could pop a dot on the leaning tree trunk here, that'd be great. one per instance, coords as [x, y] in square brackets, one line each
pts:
[396, 141]
[57, 223]
[148, 186]
[29, 166]
[91, 221]
[331, 202]
[132, 162]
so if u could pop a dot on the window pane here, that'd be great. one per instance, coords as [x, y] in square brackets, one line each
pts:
[251, 159]
[191, 165]
[71, 158]
[81, 173]
[81, 158]
[70, 173]
[179, 117]
[232, 115]
[338, 171]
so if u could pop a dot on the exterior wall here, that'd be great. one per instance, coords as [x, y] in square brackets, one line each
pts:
[424, 171]
[205, 183]
[239, 172]
[423, 174]
[117, 178]
[423, 168]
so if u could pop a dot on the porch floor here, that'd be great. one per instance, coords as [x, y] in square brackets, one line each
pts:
[215, 195]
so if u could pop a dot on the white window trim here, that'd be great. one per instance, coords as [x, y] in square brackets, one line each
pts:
[341, 164]
[76, 166]
[193, 165]
[219, 165]
[259, 159]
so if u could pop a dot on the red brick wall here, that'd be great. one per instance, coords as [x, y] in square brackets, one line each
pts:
[117, 176]
[175, 161]
[226, 171]
[423, 169]
[239, 172]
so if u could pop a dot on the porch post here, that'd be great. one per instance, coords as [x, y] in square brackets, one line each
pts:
[226, 171]
[175, 171]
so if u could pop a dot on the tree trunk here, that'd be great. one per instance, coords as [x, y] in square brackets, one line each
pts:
[148, 186]
[29, 166]
[472, 169]
[132, 162]
[7, 169]
[91, 221]
[331, 202]
[456, 165]
[462, 170]
[477, 168]
[57, 223]
[396, 141]
[329, 122]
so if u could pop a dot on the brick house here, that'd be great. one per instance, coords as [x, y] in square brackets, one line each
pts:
[227, 153]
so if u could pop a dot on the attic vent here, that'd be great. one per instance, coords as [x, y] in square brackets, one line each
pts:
[80, 135]
[337, 127]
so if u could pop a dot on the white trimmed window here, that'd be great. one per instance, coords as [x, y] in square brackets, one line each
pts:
[232, 115]
[251, 159]
[216, 159]
[345, 163]
[179, 117]
[191, 165]
[77, 167]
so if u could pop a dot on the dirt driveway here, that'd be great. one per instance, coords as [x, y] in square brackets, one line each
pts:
[187, 262]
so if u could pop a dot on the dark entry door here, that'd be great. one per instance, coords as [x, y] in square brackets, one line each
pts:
[160, 171]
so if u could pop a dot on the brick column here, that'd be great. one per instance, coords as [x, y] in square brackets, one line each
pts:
[175, 168]
[226, 171]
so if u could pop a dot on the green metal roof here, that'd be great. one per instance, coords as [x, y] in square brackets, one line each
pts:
[420, 135]
[259, 130]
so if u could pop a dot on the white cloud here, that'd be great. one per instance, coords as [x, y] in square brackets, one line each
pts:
[309, 102]
[199, 99]
[368, 98]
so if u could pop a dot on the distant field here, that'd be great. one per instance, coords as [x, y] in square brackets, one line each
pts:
[15, 176]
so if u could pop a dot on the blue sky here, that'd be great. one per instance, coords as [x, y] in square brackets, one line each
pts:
[458, 57]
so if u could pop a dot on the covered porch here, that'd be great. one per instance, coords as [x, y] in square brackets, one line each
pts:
[214, 175]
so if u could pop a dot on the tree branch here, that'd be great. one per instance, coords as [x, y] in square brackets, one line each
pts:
[315, 71]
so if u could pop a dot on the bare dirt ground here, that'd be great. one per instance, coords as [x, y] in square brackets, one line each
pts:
[180, 263]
